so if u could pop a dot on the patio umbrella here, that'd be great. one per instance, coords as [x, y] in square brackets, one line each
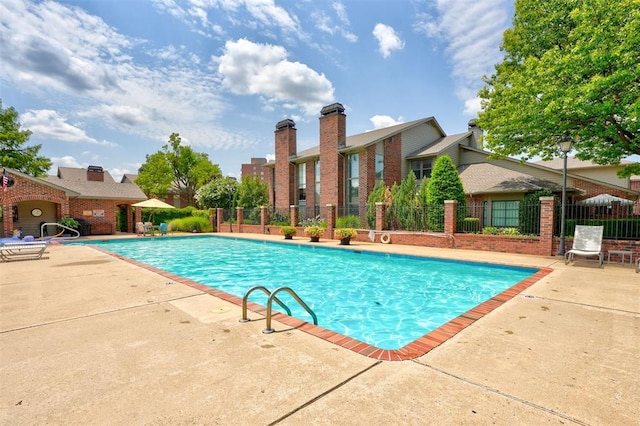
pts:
[153, 203]
[605, 200]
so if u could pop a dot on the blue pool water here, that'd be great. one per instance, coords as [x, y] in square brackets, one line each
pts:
[384, 300]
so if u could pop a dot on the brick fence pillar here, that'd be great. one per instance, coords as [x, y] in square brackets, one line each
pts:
[294, 214]
[239, 217]
[547, 207]
[381, 213]
[219, 219]
[450, 216]
[264, 218]
[331, 219]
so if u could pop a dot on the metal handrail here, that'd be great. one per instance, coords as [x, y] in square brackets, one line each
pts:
[268, 293]
[268, 329]
[60, 226]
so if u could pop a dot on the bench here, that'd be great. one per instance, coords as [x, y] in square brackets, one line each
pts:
[22, 251]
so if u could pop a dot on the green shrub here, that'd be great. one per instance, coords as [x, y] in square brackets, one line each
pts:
[510, 231]
[490, 230]
[352, 221]
[189, 224]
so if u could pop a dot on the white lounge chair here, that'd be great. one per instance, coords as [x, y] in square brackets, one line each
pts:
[22, 250]
[587, 241]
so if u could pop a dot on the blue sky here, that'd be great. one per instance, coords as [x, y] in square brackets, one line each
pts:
[105, 82]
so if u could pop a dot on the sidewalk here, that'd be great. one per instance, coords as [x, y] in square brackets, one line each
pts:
[86, 338]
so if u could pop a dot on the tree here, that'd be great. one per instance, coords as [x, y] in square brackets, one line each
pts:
[12, 154]
[571, 68]
[444, 184]
[179, 166]
[252, 192]
[219, 193]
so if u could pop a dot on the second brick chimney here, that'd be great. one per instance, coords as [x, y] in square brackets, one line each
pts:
[286, 146]
[333, 135]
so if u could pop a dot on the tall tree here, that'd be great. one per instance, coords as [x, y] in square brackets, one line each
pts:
[219, 193]
[571, 68]
[179, 166]
[444, 184]
[12, 152]
[252, 192]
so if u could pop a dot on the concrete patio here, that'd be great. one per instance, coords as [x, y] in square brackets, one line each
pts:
[87, 338]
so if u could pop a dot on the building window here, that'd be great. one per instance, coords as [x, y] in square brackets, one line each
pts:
[302, 183]
[422, 168]
[379, 162]
[353, 179]
[505, 213]
[317, 182]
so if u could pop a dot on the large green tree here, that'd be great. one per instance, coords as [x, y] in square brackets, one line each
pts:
[570, 68]
[252, 192]
[179, 166]
[12, 152]
[444, 184]
[219, 193]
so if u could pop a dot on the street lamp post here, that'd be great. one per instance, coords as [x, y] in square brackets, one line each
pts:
[565, 145]
[230, 190]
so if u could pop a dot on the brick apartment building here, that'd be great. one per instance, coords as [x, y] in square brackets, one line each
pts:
[255, 168]
[342, 170]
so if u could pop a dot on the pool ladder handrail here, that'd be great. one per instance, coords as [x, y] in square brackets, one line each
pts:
[272, 297]
[245, 318]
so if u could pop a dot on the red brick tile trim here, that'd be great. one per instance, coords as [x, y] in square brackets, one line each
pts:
[415, 349]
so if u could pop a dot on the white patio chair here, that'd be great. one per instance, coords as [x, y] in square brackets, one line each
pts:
[587, 241]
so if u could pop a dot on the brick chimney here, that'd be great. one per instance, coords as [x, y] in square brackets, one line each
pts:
[284, 185]
[95, 174]
[476, 142]
[333, 135]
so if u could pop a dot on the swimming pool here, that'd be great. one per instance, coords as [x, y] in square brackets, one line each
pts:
[386, 301]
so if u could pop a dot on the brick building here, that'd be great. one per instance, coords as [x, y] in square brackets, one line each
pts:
[342, 170]
[255, 168]
[90, 194]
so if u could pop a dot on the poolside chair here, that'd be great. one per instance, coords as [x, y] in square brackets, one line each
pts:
[587, 241]
[22, 250]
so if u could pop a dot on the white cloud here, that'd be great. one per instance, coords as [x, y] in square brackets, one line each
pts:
[388, 40]
[249, 68]
[472, 33]
[49, 124]
[66, 161]
[91, 66]
[382, 121]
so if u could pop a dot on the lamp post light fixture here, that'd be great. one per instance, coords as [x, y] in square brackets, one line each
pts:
[230, 190]
[565, 144]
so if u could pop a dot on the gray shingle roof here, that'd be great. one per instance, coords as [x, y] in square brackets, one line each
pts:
[485, 178]
[370, 137]
[439, 145]
[75, 179]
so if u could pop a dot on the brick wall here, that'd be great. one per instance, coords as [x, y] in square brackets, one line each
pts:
[286, 146]
[393, 160]
[25, 189]
[332, 136]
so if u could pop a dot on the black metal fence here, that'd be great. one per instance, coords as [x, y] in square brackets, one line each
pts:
[619, 221]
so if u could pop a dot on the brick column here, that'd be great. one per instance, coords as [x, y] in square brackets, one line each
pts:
[212, 219]
[547, 207]
[381, 213]
[331, 219]
[239, 217]
[450, 216]
[293, 209]
[264, 218]
[219, 219]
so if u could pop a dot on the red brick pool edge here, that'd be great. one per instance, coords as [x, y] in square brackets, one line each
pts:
[415, 349]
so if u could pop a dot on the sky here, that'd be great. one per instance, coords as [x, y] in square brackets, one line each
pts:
[106, 82]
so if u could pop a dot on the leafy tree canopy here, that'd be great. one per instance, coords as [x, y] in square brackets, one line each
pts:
[179, 166]
[252, 192]
[445, 183]
[12, 152]
[571, 68]
[219, 193]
